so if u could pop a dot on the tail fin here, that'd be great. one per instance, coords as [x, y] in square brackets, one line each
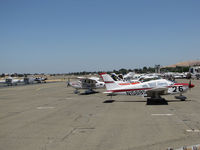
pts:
[109, 82]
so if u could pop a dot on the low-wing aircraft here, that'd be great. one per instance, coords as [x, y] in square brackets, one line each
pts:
[153, 89]
[86, 83]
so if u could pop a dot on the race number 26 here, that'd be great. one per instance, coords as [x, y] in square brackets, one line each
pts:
[177, 88]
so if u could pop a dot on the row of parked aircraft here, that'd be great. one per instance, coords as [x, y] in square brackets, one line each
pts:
[27, 80]
[152, 86]
[168, 75]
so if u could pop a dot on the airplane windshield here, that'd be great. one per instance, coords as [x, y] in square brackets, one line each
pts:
[160, 83]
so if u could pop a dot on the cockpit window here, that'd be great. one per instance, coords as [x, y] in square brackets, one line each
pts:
[114, 77]
[161, 83]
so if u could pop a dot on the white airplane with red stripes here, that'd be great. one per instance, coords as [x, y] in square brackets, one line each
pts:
[153, 89]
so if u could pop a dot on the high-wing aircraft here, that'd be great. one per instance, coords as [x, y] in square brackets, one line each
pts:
[153, 89]
[86, 83]
[40, 80]
[13, 81]
[2, 81]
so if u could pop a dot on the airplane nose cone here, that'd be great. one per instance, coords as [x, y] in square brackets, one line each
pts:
[191, 85]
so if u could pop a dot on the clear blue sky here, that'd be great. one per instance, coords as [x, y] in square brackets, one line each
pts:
[57, 36]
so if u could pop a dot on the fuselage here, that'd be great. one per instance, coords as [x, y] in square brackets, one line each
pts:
[142, 88]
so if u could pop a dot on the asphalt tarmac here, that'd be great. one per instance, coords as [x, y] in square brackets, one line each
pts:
[51, 117]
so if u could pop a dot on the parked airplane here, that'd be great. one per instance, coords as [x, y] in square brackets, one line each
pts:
[40, 80]
[29, 80]
[194, 72]
[131, 76]
[13, 81]
[153, 89]
[86, 83]
[2, 81]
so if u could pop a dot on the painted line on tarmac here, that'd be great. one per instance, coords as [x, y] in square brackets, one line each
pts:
[162, 114]
[45, 107]
[193, 147]
[193, 130]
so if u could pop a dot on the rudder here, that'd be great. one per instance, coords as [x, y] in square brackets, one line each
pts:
[109, 82]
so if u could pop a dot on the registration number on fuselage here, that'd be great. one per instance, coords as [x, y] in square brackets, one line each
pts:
[136, 92]
[174, 89]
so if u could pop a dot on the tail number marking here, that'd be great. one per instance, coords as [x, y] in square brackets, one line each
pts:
[138, 92]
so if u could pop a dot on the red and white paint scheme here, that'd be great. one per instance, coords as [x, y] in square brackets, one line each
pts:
[153, 89]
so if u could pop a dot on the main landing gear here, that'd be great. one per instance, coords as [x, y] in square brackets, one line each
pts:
[88, 91]
[156, 99]
[76, 91]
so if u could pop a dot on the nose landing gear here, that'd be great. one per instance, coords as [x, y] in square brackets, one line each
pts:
[181, 97]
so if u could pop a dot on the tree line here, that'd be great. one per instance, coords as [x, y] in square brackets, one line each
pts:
[120, 71]
[137, 70]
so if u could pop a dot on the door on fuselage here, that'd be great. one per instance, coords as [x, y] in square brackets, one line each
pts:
[88, 83]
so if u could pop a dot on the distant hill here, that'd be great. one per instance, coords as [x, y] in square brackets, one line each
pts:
[185, 64]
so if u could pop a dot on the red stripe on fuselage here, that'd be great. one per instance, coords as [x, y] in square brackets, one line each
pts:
[126, 90]
[109, 81]
[129, 83]
[183, 84]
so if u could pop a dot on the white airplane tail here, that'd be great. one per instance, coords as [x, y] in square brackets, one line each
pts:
[109, 82]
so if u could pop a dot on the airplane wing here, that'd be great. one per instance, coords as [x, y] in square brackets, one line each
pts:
[94, 78]
[107, 92]
[90, 78]
[159, 89]
[156, 91]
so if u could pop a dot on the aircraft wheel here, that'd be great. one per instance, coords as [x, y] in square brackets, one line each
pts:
[181, 97]
[76, 92]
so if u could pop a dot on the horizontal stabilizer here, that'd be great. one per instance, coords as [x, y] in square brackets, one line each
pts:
[108, 92]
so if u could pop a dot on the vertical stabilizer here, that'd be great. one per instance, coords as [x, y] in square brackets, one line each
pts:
[109, 82]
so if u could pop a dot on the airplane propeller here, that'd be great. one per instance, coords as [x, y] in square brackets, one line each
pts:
[190, 85]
